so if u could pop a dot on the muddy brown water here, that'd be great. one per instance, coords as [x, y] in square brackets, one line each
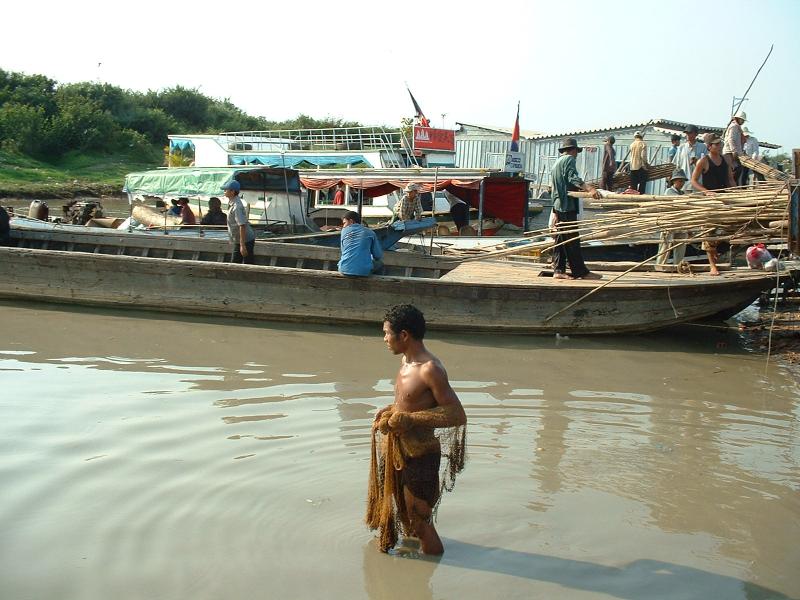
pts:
[172, 458]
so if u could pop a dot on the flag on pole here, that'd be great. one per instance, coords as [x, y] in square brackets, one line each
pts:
[515, 135]
[422, 119]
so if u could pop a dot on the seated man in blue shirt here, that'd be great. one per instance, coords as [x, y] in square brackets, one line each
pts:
[361, 252]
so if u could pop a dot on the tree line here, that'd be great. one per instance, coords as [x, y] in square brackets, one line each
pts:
[44, 119]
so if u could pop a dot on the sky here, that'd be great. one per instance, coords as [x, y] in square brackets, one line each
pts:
[572, 64]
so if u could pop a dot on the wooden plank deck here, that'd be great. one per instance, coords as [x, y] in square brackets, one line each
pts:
[506, 273]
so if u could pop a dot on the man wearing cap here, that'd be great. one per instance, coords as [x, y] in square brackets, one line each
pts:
[676, 183]
[609, 163]
[409, 207]
[732, 148]
[689, 153]
[676, 140]
[750, 148]
[564, 176]
[639, 164]
[242, 235]
[712, 173]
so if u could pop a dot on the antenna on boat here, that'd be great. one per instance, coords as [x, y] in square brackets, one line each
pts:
[744, 96]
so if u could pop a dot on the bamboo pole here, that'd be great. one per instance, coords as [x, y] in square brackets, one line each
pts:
[742, 209]
[610, 281]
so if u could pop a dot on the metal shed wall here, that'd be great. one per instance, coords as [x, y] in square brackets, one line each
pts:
[541, 153]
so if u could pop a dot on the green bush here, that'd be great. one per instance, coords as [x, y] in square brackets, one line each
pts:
[41, 119]
[153, 123]
[22, 127]
[79, 125]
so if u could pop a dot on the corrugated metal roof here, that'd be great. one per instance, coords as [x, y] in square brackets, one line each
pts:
[523, 133]
[666, 125]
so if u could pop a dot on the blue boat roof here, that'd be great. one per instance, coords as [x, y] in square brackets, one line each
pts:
[294, 161]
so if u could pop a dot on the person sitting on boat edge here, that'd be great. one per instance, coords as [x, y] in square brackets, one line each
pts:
[667, 238]
[409, 207]
[564, 177]
[676, 183]
[214, 216]
[187, 216]
[242, 235]
[361, 253]
[175, 209]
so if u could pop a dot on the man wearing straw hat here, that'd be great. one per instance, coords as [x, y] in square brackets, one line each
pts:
[409, 207]
[564, 175]
[732, 148]
[676, 182]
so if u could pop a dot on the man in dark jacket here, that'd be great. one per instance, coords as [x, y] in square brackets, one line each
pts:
[565, 178]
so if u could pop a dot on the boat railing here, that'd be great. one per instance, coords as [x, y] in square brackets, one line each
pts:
[273, 253]
[330, 139]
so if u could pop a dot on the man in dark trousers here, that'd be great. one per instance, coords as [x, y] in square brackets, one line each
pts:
[565, 178]
[609, 163]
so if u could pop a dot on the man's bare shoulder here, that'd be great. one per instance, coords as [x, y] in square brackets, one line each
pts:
[429, 362]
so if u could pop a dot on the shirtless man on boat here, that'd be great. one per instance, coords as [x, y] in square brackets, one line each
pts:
[411, 450]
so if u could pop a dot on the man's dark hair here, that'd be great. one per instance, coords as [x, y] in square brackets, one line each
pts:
[352, 216]
[405, 317]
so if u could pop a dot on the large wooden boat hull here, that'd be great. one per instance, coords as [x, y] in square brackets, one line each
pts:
[501, 296]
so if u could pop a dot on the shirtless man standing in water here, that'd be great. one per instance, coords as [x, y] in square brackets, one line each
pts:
[421, 384]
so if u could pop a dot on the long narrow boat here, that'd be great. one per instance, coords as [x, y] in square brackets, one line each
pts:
[300, 283]
[388, 235]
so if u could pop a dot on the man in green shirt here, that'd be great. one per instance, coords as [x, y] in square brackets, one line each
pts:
[565, 178]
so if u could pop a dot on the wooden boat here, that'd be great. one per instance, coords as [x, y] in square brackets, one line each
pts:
[388, 235]
[300, 283]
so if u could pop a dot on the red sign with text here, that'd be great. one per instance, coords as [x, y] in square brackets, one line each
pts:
[428, 138]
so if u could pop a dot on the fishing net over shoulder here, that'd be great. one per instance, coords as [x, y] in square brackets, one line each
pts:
[404, 446]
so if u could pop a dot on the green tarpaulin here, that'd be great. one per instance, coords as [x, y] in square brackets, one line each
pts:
[208, 181]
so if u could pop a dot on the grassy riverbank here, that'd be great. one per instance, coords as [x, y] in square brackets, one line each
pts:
[76, 174]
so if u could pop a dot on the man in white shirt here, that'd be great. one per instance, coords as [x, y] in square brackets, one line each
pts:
[239, 229]
[689, 153]
[732, 144]
[750, 149]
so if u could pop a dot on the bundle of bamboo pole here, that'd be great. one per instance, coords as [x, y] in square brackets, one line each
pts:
[623, 180]
[740, 216]
[763, 169]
